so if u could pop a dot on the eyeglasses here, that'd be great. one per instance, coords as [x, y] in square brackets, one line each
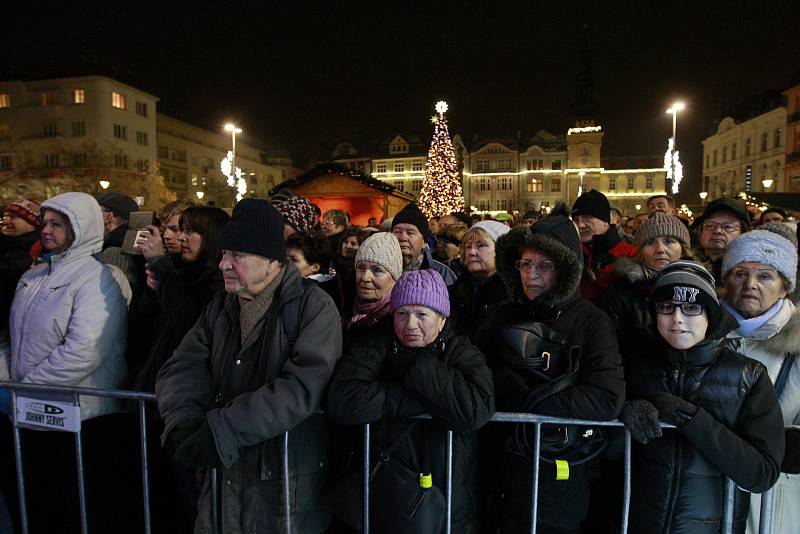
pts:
[687, 308]
[542, 267]
[728, 228]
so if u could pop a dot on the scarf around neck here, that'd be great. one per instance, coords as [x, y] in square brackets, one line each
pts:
[370, 313]
[748, 326]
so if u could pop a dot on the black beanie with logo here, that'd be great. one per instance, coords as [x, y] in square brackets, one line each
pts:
[256, 227]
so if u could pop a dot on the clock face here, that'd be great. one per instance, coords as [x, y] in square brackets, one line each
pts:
[586, 151]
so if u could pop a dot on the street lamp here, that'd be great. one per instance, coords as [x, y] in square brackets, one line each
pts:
[767, 183]
[703, 195]
[228, 165]
[580, 187]
[673, 174]
[105, 184]
[200, 195]
[638, 207]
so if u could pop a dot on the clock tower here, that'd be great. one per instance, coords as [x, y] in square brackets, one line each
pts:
[585, 138]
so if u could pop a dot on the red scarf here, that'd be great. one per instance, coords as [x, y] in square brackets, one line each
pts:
[370, 313]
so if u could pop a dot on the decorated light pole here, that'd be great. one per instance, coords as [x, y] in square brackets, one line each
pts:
[671, 161]
[228, 165]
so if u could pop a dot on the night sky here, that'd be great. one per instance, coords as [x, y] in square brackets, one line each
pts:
[300, 77]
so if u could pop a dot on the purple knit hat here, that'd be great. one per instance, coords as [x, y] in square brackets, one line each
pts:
[421, 288]
[298, 212]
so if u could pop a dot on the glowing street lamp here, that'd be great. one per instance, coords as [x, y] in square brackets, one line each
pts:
[228, 164]
[675, 172]
[200, 195]
[638, 207]
[767, 183]
[105, 184]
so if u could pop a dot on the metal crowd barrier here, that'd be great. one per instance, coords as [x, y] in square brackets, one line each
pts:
[765, 526]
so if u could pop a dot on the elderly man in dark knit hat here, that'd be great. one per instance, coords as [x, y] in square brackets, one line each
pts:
[411, 229]
[254, 366]
[600, 241]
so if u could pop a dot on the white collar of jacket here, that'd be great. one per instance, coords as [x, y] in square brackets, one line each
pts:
[773, 326]
[86, 218]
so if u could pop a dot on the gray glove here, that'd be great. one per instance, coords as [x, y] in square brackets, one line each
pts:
[641, 419]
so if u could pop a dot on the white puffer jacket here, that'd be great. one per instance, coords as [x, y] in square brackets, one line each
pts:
[769, 344]
[69, 316]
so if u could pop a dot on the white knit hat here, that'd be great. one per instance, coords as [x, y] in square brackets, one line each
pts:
[763, 246]
[493, 229]
[384, 249]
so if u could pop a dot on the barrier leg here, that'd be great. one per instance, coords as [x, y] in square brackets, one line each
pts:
[287, 500]
[214, 500]
[537, 449]
[366, 479]
[765, 521]
[145, 468]
[23, 507]
[81, 481]
[448, 525]
[727, 509]
[626, 492]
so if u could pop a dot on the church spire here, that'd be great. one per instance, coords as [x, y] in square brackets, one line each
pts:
[584, 107]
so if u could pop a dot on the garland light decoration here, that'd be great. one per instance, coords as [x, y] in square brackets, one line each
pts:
[441, 192]
[673, 166]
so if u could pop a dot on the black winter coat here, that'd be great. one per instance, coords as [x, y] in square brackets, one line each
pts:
[378, 380]
[473, 305]
[598, 393]
[182, 294]
[15, 259]
[679, 479]
[625, 302]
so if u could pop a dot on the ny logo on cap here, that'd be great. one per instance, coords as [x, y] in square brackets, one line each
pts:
[684, 294]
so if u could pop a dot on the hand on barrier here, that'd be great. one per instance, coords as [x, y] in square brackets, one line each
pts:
[673, 410]
[199, 449]
[791, 460]
[641, 419]
[5, 401]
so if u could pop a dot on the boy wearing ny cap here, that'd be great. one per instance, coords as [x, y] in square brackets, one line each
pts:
[253, 367]
[723, 405]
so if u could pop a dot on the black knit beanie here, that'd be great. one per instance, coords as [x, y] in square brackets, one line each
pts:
[411, 214]
[592, 203]
[256, 227]
[688, 281]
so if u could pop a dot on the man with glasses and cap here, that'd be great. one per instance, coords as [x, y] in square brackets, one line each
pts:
[723, 220]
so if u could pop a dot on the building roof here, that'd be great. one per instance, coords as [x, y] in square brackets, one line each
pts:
[632, 162]
[334, 168]
[752, 107]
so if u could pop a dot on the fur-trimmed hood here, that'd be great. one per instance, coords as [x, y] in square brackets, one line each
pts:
[779, 335]
[555, 237]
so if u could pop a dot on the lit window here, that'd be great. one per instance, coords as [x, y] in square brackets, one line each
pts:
[535, 185]
[78, 96]
[78, 129]
[118, 100]
[141, 109]
[555, 185]
[399, 167]
[47, 98]
[5, 100]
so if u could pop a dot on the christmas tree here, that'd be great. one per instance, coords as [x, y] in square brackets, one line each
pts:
[441, 192]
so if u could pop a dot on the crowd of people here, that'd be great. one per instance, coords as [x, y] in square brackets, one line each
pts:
[277, 317]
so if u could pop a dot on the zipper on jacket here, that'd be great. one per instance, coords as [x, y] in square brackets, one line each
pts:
[675, 486]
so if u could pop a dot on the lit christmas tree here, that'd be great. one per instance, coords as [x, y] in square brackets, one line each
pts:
[441, 192]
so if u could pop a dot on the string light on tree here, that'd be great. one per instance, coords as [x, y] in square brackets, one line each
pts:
[441, 192]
